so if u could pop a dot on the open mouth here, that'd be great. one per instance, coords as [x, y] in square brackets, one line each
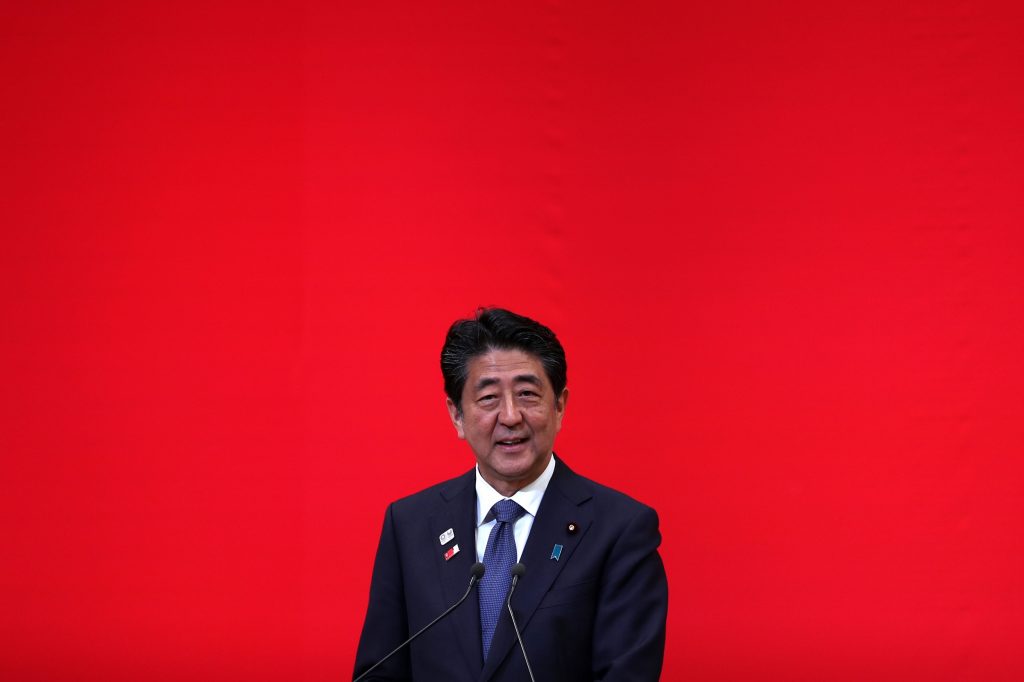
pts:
[511, 442]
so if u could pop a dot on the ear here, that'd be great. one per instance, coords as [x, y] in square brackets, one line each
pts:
[560, 407]
[456, 417]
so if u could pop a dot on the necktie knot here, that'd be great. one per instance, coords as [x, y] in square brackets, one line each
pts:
[506, 510]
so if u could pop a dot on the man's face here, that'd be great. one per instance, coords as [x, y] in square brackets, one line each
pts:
[510, 416]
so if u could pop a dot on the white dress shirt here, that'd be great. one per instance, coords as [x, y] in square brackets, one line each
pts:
[528, 498]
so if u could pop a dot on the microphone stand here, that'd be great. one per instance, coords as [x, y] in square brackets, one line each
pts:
[517, 571]
[476, 572]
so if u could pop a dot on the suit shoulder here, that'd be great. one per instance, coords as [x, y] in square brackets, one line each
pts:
[443, 491]
[606, 497]
[616, 499]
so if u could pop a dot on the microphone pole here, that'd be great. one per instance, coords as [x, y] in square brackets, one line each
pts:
[517, 572]
[476, 572]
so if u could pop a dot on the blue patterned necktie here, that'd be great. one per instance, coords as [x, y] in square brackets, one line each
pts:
[498, 558]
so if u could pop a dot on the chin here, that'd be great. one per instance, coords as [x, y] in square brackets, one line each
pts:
[518, 470]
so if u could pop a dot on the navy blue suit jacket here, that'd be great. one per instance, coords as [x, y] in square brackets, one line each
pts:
[596, 613]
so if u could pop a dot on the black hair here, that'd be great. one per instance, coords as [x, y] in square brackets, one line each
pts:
[498, 329]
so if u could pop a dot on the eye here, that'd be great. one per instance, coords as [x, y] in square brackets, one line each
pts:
[487, 399]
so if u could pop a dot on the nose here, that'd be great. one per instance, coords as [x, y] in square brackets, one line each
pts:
[509, 414]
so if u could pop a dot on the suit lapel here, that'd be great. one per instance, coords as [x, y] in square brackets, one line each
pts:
[458, 513]
[562, 504]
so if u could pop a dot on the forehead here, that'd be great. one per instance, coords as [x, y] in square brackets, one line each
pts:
[504, 366]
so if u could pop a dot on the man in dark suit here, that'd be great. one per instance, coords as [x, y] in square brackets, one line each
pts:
[593, 600]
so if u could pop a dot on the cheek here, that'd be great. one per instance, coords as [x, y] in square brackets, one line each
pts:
[545, 421]
[477, 429]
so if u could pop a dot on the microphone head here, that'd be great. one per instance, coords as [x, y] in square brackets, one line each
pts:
[518, 570]
[477, 570]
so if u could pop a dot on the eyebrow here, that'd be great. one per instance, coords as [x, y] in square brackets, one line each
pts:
[519, 378]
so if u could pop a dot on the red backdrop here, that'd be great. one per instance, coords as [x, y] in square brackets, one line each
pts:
[780, 241]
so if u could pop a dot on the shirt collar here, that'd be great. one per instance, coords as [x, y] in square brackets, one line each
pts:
[528, 497]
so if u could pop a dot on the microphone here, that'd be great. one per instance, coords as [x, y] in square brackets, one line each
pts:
[476, 571]
[517, 572]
